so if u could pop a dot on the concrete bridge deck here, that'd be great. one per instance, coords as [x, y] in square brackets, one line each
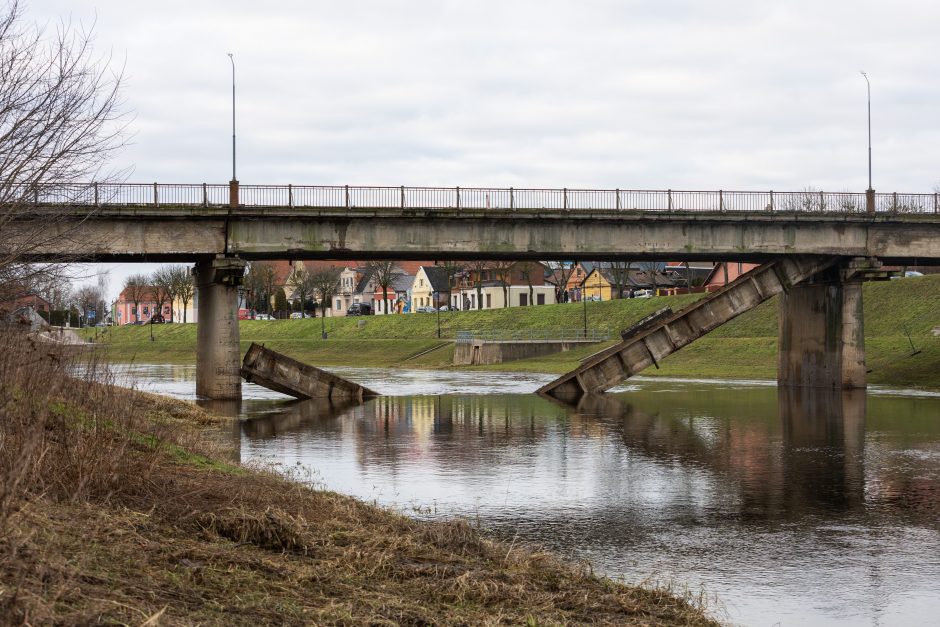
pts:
[179, 223]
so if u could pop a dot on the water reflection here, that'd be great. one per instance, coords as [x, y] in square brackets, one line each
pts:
[792, 507]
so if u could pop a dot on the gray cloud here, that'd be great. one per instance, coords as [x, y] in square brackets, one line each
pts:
[596, 93]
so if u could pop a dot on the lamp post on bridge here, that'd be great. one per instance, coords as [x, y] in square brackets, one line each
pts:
[233, 184]
[869, 193]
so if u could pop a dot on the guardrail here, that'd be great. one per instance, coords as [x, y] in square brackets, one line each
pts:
[532, 335]
[471, 198]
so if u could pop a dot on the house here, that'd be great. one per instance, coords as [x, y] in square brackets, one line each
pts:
[725, 272]
[601, 282]
[493, 295]
[126, 311]
[399, 295]
[430, 287]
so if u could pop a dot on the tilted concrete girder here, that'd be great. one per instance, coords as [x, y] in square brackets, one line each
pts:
[666, 335]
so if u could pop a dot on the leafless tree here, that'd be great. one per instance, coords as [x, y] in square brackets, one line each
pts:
[383, 274]
[87, 298]
[325, 284]
[60, 122]
[477, 270]
[260, 280]
[137, 288]
[503, 270]
[163, 288]
[301, 281]
[561, 273]
[183, 288]
[452, 269]
[620, 273]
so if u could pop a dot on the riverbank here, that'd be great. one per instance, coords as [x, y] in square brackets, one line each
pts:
[900, 319]
[119, 507]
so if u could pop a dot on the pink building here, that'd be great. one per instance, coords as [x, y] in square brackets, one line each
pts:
[125, 311]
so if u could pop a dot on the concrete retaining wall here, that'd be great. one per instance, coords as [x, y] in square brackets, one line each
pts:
[485, 353]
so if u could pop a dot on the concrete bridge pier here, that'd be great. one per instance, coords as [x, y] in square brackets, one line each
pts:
[821, 333]
[218, 355]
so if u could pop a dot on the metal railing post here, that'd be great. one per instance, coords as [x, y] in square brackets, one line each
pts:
[95, 184]
[290, 195]
[721, 200]
[669, 201]
[347, 196]
[936, 202]
[822, 201]
[156, 197]
[458, 198]
[617, 191]
[402, 196]
[205, 195]
[894, 196]
[565, 191]
[512, 200]
[35, 194]
[771, 200]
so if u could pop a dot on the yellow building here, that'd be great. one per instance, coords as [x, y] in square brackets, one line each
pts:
[597, 285]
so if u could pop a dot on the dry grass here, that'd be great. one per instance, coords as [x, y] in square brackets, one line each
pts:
[113, 509]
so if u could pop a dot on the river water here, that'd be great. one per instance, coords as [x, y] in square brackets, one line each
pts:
[789, 509]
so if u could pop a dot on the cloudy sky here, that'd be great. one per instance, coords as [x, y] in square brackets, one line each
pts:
[588, 93]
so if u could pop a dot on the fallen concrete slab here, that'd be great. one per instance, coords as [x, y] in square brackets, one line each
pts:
[287, 375]
[664, 332]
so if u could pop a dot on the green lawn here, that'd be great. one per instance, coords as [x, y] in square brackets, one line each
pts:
[745, 347]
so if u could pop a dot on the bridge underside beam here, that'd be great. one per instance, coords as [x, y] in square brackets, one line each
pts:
[268, 234]
[610, 367]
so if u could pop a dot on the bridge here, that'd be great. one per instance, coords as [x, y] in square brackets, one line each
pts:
[220, 226]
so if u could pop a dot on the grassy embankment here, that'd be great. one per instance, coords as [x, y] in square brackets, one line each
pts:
[744, 348]
[116, 507]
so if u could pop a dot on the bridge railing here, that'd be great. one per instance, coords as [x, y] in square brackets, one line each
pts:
[475, 198]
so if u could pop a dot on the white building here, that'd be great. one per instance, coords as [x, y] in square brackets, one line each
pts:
[492, 297]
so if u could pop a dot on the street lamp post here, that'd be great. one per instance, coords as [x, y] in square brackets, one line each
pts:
[233, 184]
[437, 301]
[869, 193]
[584, 302]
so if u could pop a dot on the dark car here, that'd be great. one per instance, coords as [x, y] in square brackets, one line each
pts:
[359, 309]
[157, 319]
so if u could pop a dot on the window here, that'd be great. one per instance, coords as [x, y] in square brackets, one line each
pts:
[489, 301]
[540, 299]
[339, 304]
[523, 300]
[134, 311]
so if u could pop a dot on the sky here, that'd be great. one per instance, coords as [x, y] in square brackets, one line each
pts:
[735, 95]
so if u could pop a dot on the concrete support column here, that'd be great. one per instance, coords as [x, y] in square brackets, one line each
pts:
[821, 335]
[218, 355]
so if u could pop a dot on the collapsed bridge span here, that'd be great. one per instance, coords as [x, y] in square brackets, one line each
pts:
[660, 337]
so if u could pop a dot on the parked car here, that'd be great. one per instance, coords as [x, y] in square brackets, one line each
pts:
[359, 309]
[444, 308]
[643, 294]
[263, 316]
[296, 315]
[157, 319]
[428, 309]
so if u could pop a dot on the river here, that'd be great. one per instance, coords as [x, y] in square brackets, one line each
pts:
[808, 509]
